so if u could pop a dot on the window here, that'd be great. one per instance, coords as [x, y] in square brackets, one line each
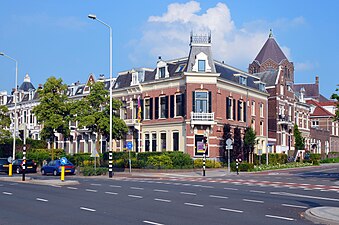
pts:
[176, 141]
[253, 108]
[240, 110]
[242, 80]
[180, 68]
[261, 110]
[162, 72]
[25, 117]
[178, 105]
[261, 128]
[229, 108]
[315, 123]
[135, 109]
[163, 142]
[123, 113]
[147, 143]
[147, 109]
[281, 89]
[154, 142]
[262, 87]
[253, 125]
[201, 102]
[201, 65]
[164, 107]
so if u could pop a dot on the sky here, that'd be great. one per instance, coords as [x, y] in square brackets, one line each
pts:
[56, 38]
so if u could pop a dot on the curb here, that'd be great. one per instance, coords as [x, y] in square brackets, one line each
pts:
[322, 215]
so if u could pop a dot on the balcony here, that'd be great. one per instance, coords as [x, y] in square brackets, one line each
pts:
[284, 119]
[202, 118]
[131, 122]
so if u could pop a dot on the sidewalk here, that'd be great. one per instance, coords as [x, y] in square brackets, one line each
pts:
[323, 215]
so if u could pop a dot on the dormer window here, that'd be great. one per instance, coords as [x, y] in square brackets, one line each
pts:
[201, 65]
[180, 68]
[242, 80]
[262, 87]
[162, 72]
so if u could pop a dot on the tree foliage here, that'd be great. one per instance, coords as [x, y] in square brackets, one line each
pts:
[335, 96]
[299, 141]
[226, 135]
[237, 151]
[250, 140]
[5, 122]
[54, 109]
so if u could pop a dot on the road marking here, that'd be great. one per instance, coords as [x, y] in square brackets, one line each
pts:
[137, 188]
[53, 185]
[90, 190]
[251, 200]
[150, 222]
[295, 206]
[232, 189]
[117, 186]
[159, 190]
[254, 191]
[72, 188]
[7, 193]
[135, 196]
[162, 200]
[96, 184]
[41, 199]
[304, 196]
[186, 184]
[192, 204]
[280, 217]
[188, 193]
[87, 209]
[111, 193]
[232, 210]
[216, 196]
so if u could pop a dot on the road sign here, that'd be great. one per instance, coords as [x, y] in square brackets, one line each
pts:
[9, 159]
[95, 153]
[63, 161]
[229, 143]
[129, 145]
[200, 147]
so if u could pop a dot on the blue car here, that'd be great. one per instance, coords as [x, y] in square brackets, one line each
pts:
[54, 167]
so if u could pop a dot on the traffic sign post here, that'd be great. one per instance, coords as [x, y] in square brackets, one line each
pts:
[229, 146]
[63, 162]
[129, 147]
[10, 166]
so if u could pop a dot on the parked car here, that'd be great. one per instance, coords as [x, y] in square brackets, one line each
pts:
[30, 166]
[54, 167]
[4, 165]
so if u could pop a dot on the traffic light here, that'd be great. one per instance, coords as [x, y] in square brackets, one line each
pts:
[205, 140]
[21, 134]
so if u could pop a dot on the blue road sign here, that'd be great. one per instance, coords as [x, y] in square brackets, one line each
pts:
[63, 161]
[129, 145]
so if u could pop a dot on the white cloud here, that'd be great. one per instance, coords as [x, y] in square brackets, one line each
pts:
[305, 66]
[168, 35]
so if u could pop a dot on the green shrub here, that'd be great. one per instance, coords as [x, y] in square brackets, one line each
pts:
[91, 171]
[198, 163]
[330, 160]
[243, 166]
[181, 160]
[160, 162]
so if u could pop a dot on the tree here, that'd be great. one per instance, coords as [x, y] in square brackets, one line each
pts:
[335, 96]
[226, 135]
[92, 112]
[299, 141]
[54, 109]
[249, 143]
[237, 145]
[5, 122]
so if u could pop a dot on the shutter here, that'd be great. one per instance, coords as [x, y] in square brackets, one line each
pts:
[245, 110]
[172, 99]
[210, 102]
[166, 106]
[142, 108]
[183, 105]
[234, 109]
[151, 109]
[156, 107]
[239, 111]
[193, 101]
[227, 108]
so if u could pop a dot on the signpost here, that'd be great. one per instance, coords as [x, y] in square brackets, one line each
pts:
[10, 167]
[95, 154]
[129, 147]
[229, 146]
[63, 162]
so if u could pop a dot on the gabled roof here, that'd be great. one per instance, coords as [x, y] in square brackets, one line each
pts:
[319, 110]
[269, 77]
[311, 90]
[270, 50]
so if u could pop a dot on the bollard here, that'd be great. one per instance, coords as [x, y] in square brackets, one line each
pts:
[10, 169]
[62, 177]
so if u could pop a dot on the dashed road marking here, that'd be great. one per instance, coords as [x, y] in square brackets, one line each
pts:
[111, 193]
[159, 190]
[251, 200]
[280, 217]
[116, 186]
[87, 209]
[91, 190]
[232, 210]
[254, 191]
[7, 193]
[217, 196]
[193, 204]
[41, 200]
[135, 196]
[295, 206]
[136, 188]
[153, 223]
[187, 193]
[162, 200]
[72, 188]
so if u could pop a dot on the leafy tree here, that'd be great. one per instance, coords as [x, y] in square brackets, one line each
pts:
[226, 135]
[5, 122]
[92, 112]
[299, 141]
[335, 96]
[54, 110]
[237, 145]
[249, 143]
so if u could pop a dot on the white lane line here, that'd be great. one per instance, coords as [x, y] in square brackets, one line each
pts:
[280, 217]
[90, 190]
[251, 200]
[232, 210]
[137, 188]
[254, 191]
[186, 184]
[87, 209]
[7, 193]
[187, 193]
[72, 188]
[41, 200]
[153, 223]
[159, 190]
[192, 204]
[304, 196]
[135, 196]
[53, 185]
[295, 206]
[231, 189]
[96, 184]
[217, 196]
[116, 186]
[111, 193]
[162, 200]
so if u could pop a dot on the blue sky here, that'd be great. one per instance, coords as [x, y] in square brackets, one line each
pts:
[55, 38]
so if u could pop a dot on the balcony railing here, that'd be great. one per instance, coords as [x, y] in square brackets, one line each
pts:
[131, 122]
[202, 118]
[284, 119]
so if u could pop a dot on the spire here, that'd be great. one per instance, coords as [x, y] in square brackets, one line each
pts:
[271, 34]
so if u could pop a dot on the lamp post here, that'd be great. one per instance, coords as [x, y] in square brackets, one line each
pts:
[14, 98]
[110, 169]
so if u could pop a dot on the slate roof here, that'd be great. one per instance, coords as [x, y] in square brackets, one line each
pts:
[269, 77]
[26, 86]
[270, 50]
[311, 90]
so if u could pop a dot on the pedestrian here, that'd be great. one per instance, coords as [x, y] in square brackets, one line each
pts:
[237, 166]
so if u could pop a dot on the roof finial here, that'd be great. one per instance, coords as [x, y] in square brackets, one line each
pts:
[271, 34]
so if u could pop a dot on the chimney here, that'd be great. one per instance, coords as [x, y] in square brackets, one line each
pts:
[40, 86]
[317, 79]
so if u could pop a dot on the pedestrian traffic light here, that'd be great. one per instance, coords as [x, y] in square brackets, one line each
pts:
[21, 134]
[205, 140]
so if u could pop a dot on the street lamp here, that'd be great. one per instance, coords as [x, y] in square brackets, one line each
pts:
[110, 169]
[14, 98]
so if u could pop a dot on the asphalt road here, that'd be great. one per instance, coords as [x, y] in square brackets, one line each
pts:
[268, 198]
